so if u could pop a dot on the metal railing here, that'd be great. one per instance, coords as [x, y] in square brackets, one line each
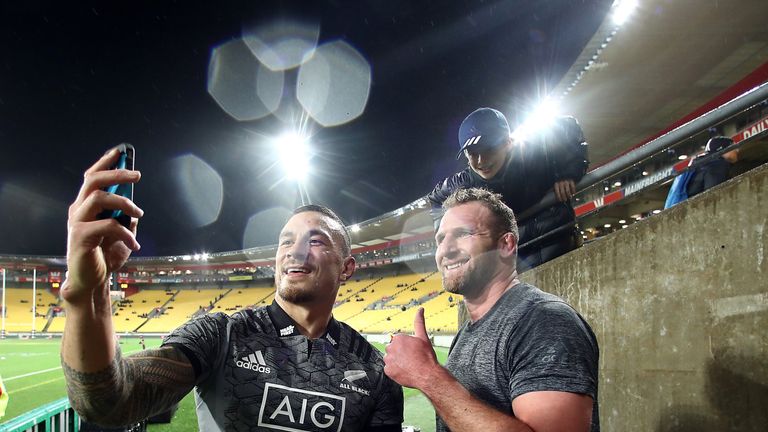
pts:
[677, 135]
[57, 416]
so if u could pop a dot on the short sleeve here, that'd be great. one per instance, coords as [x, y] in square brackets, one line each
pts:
[201, 340]
[389, 405]
[553, 349]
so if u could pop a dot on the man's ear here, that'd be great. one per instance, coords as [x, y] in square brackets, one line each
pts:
[347, 268]
[508, 246]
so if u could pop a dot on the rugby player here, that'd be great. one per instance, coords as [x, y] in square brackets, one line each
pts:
[287, 366]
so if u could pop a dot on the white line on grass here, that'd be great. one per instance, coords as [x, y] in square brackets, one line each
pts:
[14, 391]
[45, 371]
[31, 374]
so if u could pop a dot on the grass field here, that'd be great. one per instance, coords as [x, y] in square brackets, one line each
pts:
[32, 375]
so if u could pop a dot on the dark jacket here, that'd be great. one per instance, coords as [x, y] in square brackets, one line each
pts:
[531, 170]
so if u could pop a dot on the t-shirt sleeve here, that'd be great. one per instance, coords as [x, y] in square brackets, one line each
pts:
[201, 340]
[553, 350]
[389, 406]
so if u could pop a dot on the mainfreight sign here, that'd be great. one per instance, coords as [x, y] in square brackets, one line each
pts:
[631, 188]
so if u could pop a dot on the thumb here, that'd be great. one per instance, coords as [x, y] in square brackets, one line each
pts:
[419, 328]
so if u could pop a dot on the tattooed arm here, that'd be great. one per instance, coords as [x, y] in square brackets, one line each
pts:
[130, 389]
[102, 386]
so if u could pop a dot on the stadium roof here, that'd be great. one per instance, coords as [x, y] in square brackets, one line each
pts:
[431, 64]
[670, 61]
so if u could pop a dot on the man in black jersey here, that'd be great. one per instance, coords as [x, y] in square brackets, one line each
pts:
[288, 366]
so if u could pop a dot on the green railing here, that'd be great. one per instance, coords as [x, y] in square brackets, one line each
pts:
[56, 416]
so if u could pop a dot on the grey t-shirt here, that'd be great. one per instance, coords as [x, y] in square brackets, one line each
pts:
[529, 341]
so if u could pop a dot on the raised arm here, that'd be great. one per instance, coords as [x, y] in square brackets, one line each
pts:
[104, 387]
[411, 361]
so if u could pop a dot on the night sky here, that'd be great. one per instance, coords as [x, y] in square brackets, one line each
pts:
[76, 79]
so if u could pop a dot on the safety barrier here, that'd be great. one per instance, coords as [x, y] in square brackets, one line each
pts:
[56, 416]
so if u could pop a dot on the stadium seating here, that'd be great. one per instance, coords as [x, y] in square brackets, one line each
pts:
[18, 318]
[181, 308]
[388, 305]
[241, 298]
[379, 305]
[190, 302]
[352, 298]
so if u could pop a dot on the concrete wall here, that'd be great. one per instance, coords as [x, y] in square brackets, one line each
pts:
[679, 303]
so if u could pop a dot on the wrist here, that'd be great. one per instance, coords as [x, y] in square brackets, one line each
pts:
[76, 298]
[434, 378]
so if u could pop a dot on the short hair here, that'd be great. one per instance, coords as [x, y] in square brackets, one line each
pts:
[346, 248]
[505, 217]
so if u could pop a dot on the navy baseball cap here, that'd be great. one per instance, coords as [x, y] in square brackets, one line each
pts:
[485, 127]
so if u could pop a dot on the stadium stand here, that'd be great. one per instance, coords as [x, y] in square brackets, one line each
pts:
[180, 308]
[352, 297]
[242, 298]
[388, 304]
[19, 315]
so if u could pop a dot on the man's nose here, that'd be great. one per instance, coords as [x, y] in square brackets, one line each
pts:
[447, 247]
[299, 250]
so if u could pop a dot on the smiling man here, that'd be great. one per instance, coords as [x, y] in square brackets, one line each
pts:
[287, 366]
[526, 361]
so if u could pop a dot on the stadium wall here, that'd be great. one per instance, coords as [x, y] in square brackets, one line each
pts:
[679, 303]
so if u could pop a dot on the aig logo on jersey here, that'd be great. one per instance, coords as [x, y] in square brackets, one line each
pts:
[291, 409]
[253, 361]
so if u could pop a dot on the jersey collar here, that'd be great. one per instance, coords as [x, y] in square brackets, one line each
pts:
[285, 326]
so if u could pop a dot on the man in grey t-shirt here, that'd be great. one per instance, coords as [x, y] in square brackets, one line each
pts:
[525, 361]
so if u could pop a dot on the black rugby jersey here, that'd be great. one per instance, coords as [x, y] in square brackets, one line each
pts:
[255, 371]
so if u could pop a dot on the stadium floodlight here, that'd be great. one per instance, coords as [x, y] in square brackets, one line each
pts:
[542, 117]
[622, 9]
[294, 155]
[355, 228]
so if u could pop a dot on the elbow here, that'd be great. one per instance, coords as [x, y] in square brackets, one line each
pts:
[106, 412]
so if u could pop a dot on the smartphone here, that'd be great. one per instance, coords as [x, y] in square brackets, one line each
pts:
[125, 161]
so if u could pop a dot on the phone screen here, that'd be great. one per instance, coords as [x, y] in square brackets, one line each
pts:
[125, 161]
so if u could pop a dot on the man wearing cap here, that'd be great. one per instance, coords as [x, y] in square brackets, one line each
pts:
[523, 173]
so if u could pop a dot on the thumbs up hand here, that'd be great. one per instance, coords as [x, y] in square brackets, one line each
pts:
[410, 360]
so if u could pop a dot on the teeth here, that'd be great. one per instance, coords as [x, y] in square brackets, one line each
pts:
[453, 266]
[297, 270]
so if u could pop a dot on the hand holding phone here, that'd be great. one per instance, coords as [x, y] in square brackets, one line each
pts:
[126, 160]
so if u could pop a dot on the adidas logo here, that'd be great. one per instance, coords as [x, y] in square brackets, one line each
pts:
[253, 361]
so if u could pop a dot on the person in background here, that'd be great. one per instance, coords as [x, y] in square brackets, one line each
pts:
[703, 176]
[554, 159]
[714, 172]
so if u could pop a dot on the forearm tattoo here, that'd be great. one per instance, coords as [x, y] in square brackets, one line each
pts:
[132, 388]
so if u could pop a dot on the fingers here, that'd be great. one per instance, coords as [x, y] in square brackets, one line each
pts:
[564, 190]
[419, 327]
[571, 186]
[559, 192]
[98, 180]
[92, 233]
[98, 201]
